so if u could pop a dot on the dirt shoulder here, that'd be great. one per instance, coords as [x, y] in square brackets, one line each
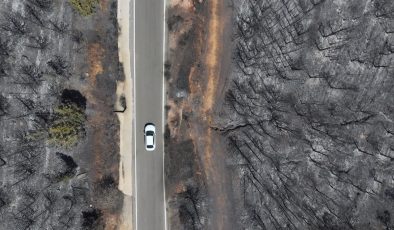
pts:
[199, 31]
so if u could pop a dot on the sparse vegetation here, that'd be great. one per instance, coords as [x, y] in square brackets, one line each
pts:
[4, 105]
[108, 193]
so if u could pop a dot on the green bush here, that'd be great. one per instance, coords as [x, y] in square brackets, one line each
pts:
[84, 7]
[67, 127]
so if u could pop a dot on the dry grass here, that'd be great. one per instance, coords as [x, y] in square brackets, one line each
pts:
[185, 4]
[111, 222]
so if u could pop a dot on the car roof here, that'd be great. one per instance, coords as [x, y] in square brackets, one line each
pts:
[149, 140]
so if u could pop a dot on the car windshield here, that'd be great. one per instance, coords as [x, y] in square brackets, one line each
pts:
[149, 133]
[150, 146]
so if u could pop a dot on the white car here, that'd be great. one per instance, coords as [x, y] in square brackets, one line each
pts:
[150, 136]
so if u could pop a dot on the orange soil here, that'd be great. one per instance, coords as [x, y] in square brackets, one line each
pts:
[212, 63]
[212, 59]
[95, 55]
[213, 71]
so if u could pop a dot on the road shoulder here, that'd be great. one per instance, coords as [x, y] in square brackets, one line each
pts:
[125, 89]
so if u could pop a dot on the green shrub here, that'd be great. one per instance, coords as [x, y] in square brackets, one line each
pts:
[67, 127]
[84, 7]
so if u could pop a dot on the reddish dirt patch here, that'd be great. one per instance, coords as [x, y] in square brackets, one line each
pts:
[95, 56]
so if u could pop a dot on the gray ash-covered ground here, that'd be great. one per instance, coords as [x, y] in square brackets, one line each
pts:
[302, 135]
[309, 114]
[51, 55]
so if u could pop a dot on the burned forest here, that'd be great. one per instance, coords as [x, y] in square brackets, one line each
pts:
[49, 177]
[309, 114]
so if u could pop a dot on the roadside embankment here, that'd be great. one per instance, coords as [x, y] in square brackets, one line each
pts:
[125, 90]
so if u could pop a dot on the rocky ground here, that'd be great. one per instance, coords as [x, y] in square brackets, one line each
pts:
[50, 54]
[298, 132]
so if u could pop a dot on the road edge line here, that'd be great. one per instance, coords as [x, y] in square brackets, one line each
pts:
[163, 108]
[135, 126]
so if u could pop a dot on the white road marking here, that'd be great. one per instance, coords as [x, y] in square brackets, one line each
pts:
[135, 125]
[163, 111]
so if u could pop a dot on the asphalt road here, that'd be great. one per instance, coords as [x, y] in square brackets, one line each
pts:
[148, 85]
